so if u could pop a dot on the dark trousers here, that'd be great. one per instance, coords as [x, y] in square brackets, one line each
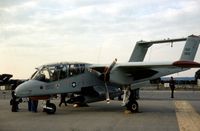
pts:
[29, 105]
[172, 92]
[34, 105]
[63, 101]
[14, 106]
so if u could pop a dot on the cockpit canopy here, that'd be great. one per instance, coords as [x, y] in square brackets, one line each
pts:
[55, 72]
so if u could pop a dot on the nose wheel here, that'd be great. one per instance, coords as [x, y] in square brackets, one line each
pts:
[49, 108]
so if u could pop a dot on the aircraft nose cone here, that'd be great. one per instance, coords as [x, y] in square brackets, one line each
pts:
[22, 90]
[18, 91]
[29, 88]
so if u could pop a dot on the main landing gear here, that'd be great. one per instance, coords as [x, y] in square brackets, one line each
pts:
[129, 100]
[49, 108]
[132, 106]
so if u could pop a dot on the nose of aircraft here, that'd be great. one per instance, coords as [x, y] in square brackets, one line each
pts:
[29, 88]
[25, 89]
[20, 91]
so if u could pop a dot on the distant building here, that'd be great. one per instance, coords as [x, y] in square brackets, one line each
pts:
[180, 80]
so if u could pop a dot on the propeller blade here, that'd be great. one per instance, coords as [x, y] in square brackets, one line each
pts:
[108, 69]
[106, 78]
[107, 94]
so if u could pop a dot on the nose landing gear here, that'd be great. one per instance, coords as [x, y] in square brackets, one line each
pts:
[49, 108]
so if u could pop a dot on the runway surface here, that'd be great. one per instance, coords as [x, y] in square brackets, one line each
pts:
[158, 112]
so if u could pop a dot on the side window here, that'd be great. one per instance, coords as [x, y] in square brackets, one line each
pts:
[55, 75]
[82, 68]
[63, 72]
[75, 69]
[72, 70]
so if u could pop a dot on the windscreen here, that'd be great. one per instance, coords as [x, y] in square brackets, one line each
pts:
[50, 73]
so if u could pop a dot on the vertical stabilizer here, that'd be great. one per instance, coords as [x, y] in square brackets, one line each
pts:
[190, 48]
[139, 52]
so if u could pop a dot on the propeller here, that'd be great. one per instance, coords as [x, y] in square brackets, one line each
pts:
[106, 78]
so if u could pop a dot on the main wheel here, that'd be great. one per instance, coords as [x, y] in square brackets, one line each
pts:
[50, 108]
[132, 106]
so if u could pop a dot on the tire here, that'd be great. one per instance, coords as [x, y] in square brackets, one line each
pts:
[52, 110]
[132, 106]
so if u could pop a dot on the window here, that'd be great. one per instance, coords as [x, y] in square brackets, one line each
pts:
[42, 75]
[58, 71]
[75, 69]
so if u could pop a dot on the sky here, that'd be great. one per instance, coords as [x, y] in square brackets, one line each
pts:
[37, 32]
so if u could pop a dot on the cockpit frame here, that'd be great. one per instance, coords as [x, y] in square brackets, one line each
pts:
[56, 72]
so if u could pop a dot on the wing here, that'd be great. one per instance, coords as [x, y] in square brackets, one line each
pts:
[133, 72]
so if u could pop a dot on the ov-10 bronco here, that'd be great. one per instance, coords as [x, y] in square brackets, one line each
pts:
[98, 82]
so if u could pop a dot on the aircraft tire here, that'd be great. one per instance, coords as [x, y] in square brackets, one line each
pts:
[132, 106]
[52, 110]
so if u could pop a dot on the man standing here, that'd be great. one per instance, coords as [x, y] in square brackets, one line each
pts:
[172, 86]
[14, 102]
[62, 99]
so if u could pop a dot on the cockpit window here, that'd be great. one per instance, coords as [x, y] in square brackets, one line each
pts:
[75, 69]
[41, 75]
[51, 73]
[63, 72]
[58, 72]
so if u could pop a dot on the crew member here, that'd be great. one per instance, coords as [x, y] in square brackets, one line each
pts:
[172, 86]
[62, 99]
[14, 102]
[34, 105]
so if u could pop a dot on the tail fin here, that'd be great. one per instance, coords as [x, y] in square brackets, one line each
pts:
[190, 48]
[139, 52]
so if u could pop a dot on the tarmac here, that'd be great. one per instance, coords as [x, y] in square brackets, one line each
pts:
[157, 112]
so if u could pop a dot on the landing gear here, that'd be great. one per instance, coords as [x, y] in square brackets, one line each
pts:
[132, 106]
[129, 100]
[49, 108]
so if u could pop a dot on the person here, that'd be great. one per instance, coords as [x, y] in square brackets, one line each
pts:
[29, 104]
[14, 102]
[172, 86]
[34, 105]
[62, 99]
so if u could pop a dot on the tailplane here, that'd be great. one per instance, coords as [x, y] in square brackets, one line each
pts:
[190, 49]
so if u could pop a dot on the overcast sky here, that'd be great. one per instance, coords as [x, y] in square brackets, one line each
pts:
[36, 32]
